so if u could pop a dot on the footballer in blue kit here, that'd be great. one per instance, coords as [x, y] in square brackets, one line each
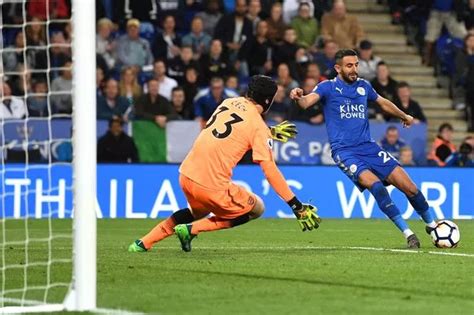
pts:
[344, 101]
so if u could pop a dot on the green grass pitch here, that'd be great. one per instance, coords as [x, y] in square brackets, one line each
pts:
[265, 267]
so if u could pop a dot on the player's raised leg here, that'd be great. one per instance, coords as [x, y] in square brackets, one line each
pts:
[400, 179]
[385, 203]
[223, 219]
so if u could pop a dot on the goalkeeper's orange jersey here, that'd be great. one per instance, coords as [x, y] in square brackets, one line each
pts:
[234, 128]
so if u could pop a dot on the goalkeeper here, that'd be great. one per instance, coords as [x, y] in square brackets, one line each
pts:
[205, 175]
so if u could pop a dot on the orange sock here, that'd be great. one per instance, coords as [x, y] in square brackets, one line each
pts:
[160, 231]
[210, 224]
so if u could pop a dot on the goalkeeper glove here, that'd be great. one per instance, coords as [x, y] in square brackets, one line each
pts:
[283, 131]
[305, 215]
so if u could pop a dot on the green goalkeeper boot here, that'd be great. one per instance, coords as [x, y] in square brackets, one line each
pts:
[137, 247]
[183, 232]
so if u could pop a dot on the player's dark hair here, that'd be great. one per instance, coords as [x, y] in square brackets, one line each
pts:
[344, 53]
[403, 84]
[262, 89]
[382, 63]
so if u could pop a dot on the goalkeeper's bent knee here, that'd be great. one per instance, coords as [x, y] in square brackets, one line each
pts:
[183, 216]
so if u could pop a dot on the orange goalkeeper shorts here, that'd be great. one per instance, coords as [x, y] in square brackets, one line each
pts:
[227, 204]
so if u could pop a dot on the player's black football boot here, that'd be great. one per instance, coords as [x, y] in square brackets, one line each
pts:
[429, 229]
[413, 242]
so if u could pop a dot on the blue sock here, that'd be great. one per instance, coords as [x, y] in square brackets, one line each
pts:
[421, 207]
[386, 204]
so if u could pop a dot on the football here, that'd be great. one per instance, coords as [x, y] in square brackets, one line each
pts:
[446, 234]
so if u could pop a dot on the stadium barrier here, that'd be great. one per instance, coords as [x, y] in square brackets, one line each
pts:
[157, 145]
[150, 191]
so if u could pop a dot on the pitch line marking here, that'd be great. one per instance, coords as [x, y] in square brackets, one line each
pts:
[360, 248]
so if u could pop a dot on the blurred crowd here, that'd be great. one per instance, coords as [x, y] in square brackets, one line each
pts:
[178, 59]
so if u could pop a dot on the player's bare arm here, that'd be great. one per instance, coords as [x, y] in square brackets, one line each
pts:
[304, 101]
[390, 108]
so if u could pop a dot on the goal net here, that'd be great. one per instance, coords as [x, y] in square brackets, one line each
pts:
[44, 202]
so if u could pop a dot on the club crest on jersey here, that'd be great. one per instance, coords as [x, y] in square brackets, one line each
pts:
[361, 91]
[353, 168]
[349, 110]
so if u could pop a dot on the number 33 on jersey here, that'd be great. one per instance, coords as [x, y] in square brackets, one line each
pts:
[235, 127]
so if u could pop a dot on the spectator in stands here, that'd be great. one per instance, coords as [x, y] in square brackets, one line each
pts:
[12, 13]
[153, 106]
[167, 43]
[12, 107]
[367, 61]
[166, 83]
[59, 53]
[407, 104]
[406, 156]
[327, 59]
[99, 80]
[129, 87]
[290, 9]
[465, 156]
[469, 16]
[210, 16]
[190, 85]
[11, 58]
[214, 63]
[105, 44]
[253, 14]
[276, 26]
[58, 10]
[442, 146]
[232, 83]
[286, 52]
[257, 52]
[144, 10]
[383, 83]
[300, 65]
[463, 80]
[385, 86]
[312, 115]
[116, 146]
[284, 78]
[111, 104]
[391, 142]
[63, 84]
[313, 72]
[177, 66]
[178, 102]
[197, 38]
[208, 99]
[35, 33]
[21, 84]
[443, 13]
[133, 50]
[38, 101]
[280, 107]
[341, 27]
[234, 29]
[305, 26]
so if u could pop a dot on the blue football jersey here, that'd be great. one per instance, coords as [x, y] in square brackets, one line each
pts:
[345, 111]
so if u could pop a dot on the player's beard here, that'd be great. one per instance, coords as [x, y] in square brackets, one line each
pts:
[350, 77]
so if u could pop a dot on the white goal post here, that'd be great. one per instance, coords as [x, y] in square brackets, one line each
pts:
[82, 294]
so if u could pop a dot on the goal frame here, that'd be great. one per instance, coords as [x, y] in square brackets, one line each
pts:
[82, 295]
